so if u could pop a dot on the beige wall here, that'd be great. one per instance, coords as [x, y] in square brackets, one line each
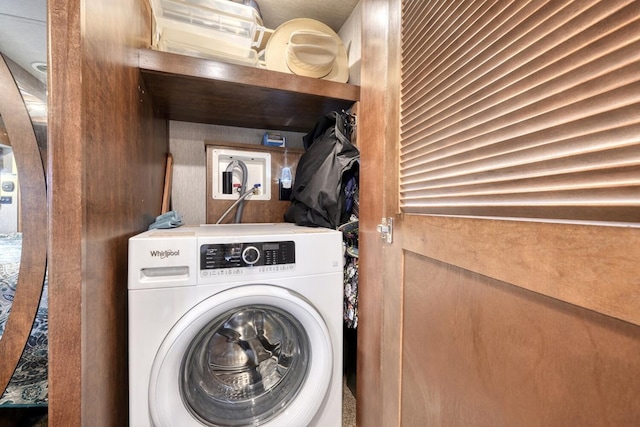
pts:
[351, 35]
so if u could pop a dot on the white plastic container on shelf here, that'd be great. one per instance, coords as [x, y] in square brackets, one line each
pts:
[185, 43]
[216, 29]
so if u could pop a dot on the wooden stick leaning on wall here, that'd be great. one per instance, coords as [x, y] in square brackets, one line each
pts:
[166, 193]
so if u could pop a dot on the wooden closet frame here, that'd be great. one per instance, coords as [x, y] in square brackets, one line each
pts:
[110, 102]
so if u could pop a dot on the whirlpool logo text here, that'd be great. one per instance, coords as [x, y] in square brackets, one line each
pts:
[165, 254]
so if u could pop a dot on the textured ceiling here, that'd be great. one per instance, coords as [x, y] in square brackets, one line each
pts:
[23, 33]
[332, 12]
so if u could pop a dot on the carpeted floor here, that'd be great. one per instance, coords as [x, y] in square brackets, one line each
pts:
[348, 407]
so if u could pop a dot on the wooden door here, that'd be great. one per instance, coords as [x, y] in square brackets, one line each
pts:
[484, 321]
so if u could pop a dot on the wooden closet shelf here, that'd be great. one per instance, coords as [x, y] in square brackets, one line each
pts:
[199, 90]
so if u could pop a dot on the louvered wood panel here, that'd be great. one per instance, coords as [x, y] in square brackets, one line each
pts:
[525, 109]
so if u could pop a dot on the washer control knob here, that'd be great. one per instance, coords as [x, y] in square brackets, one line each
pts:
[250, 255]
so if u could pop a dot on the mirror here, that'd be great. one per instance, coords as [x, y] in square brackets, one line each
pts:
[23, 215]
[9, 201]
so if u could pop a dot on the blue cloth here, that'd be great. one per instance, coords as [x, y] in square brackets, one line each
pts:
[171, 219]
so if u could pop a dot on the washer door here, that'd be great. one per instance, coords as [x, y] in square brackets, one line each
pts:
[256, 355]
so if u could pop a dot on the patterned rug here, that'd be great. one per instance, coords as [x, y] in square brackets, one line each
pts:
[28, 385]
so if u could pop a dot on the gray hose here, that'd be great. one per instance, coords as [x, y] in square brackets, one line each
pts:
[238, 217]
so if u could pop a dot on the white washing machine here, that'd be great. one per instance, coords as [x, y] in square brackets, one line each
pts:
[235, 325]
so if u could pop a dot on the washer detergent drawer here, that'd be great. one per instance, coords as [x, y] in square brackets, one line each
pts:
[157, 263]
[164, 273]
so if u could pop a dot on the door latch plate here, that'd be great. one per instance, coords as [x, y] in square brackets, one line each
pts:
[386, 229]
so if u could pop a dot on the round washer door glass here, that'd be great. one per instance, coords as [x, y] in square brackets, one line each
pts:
[244, 366]
[254, 355]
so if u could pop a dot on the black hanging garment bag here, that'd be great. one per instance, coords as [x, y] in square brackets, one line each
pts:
[327, 174]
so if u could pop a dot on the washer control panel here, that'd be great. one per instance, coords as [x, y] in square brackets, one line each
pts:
[235, 255]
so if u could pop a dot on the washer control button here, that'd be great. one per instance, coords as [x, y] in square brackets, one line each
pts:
[250, 255]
